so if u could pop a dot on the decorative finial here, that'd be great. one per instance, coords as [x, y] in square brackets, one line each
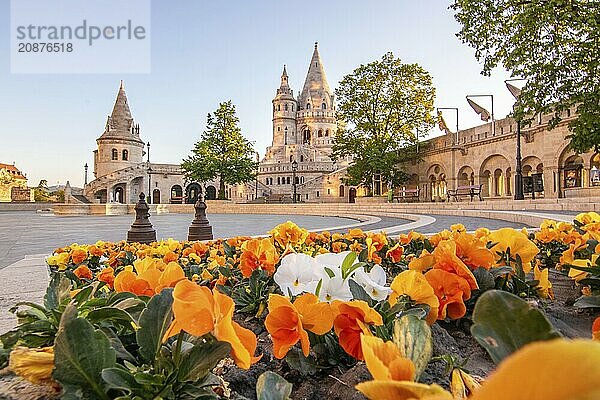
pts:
[122, 87]
[316, 44]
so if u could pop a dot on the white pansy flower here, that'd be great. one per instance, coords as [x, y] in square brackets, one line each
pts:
[373, 282]
[296, 274]
[334, 288]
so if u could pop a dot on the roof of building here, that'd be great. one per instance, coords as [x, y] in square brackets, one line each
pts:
[10, 168]
[315, 85]
[120, 122]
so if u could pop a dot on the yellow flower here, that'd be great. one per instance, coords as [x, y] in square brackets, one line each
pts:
[544, 287]
[518, 243]
[414, 285]
[289, 233]
[385, 361]
[564, 369]
[425, 261]
[402, 390]
[35, 365]
[576, 274]
[588, 218]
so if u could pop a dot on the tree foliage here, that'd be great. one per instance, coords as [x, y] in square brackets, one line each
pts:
[553, 44]
[222, 151]
[381, 106]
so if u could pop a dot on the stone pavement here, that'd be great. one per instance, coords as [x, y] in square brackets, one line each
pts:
[25, 280]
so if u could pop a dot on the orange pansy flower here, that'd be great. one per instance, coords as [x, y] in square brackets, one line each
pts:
[107, 275]
[414, 285]
[170, 257]
[258, 254]
[395, 253]
[596, 329]
[472, 251]
[287, 323]
[425, 261]
[78, 256]
[451, 290]
[128, 281]
[446, 259]
[83, 272]
[517, 242]
[199, 311]
[289, 233]
[352, 318]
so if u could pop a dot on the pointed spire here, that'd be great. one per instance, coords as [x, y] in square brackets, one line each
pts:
[120, 121]
[315, 85]
[284, 78]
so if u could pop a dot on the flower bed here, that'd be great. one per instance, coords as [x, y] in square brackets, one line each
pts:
[184, 319]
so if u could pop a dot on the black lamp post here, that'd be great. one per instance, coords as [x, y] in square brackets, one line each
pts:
[149, 177]
[516, 92]
[294, 169]
[85, 167]
[257, 169]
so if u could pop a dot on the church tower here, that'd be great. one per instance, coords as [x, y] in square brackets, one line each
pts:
[316, 123]
[120, 145]
[284, 114]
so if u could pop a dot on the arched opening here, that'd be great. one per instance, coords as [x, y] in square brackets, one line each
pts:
[323, 106]
[595, 170]
[320, 133]
[326, 132]
[285, 107]
[101, 196]
[176, 194]
[125, 155]
[352, 195]
[498, 183]
[287, 180]
[119, 194]
[115, 154]
[301, 158]
[308, 106]
[341, 191]
[156, 196]
[211, 193]
[192, 192]
[573, 170]
[486, 183]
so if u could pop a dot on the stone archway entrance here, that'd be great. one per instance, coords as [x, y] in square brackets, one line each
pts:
[211, 193]
[352, 195]
[119, 195]
[156, 196]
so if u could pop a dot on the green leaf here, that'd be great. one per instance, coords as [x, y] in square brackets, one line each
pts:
[198, 361]
[485, 280]
[413, 337]
[347, 264]
[503, 323]
[57, 291]
[587, 302]
[80, 355]
[109, 314]
[154, 322]
[271, 386]
[296, 360]
[499, 271]
[359, 293]
[121, 379]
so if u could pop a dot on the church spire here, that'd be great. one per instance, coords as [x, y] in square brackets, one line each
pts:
[284, 78]
[315, 85]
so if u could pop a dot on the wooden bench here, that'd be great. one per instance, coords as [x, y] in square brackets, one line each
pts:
[406, 195]
[463, 191]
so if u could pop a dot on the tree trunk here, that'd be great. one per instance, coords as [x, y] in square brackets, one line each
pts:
[222, 195]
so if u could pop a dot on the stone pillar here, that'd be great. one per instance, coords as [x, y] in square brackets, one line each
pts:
[200, 228]
[141, 230]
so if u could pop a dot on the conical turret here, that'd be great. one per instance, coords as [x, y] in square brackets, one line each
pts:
[316, 91]
[120, 122]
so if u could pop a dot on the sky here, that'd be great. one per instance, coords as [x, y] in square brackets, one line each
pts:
[205, 52]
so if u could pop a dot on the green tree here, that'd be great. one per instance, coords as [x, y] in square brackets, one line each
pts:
[381, 107]
[40, 193]
[553, 44]
[222, 152]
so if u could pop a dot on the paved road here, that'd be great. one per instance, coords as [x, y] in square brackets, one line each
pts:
[25, 233]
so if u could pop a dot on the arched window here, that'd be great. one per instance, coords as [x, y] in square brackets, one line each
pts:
[279, 180]
[301, 158]
[326, 132]
[278, 128]
[595, 170]
[320, 134]
[301, 179]
[278, 107]
[341, 191]
[115, 154]
[292, 107]
[125, 155]
[323, 106]
[285, 107]
[291, 158]
[308, 106]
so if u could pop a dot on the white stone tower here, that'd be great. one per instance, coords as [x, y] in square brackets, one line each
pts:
[316, 123]
[120, 145]
[284, 114]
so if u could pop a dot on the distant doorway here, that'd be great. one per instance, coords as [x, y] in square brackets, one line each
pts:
[119, 195]
[211, 193]
[156, 196]
[352, 195]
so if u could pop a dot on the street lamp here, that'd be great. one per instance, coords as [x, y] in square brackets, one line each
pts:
[85, 167]
[485, 115]
[516, 92]
[454, 109]
[257, 170]
[294, 169]
[149, 176]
